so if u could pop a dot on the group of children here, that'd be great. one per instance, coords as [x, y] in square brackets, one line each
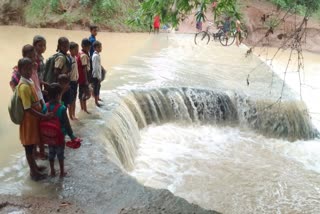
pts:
[48, 90]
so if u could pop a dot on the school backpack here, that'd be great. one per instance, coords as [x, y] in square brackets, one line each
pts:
[103, 73]
[50, 130]
[16, 110]
[49, 75]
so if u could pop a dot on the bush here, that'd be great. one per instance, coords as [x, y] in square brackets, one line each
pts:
[104, 9]
[299, 6]
[54, 5]
[35, 10]
[85, 2]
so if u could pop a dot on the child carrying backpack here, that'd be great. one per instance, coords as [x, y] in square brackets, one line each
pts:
[25, 110]
[59, 63]
[52, 132]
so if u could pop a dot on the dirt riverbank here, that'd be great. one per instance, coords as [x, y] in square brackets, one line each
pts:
[36, 205]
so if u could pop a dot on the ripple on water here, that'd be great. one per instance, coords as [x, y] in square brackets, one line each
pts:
[230, 170]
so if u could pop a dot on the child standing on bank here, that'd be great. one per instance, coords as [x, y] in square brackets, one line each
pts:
[96, 72]
[92, 38]
[29, 128]
[83, 61]
[29, 52]
[74, 77]
[60, 111]
[40, 46]
[62, 63]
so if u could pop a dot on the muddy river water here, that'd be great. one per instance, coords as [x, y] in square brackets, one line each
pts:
[189, 119]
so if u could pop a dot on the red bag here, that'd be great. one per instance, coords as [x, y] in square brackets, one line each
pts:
[50, 130]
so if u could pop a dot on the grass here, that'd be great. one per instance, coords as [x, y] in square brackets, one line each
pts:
[316, 15]
[110, 14]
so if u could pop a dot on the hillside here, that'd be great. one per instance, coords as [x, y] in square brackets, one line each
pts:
[111, 15]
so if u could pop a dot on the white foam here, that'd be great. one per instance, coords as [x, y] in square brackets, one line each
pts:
[228, 169]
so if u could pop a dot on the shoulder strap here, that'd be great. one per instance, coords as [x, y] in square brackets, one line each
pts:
[17, 88]
[25, 83]
[56, 108]
[22, 81]
[59, 54]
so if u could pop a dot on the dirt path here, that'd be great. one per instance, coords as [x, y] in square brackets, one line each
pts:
[36, 205]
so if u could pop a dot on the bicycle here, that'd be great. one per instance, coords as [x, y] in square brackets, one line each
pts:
[226, 39]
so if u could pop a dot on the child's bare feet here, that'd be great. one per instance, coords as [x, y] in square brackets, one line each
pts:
[87, 111]
[41, 156]
[53, 173]
[37, 176]
[63, 174]
[41, 168]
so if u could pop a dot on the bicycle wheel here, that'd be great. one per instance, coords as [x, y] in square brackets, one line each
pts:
[227, 40]
[202, 38]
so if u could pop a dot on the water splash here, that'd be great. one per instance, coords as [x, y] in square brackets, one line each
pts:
[139, 108]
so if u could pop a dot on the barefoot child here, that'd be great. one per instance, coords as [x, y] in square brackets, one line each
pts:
[74, 76]
[40, 46]
[29, 52]
[96, 71]
[83, 61]
[60, 111]
[29, 128]
[92, 38]
[62, 63]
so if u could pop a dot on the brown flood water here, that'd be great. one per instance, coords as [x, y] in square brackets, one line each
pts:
[117, 47]
[222, 168]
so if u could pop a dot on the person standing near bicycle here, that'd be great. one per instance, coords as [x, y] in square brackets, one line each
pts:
[226, 26]
[199, 20]
[238, 34]
[199, 25]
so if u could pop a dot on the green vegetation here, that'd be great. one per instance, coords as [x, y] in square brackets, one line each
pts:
[110, 14]
[302, 7]
[173, 11]
[115, 15]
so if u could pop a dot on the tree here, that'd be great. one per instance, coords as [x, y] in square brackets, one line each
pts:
[174, 11]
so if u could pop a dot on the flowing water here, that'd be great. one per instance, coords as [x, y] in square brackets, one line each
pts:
[191, 120]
